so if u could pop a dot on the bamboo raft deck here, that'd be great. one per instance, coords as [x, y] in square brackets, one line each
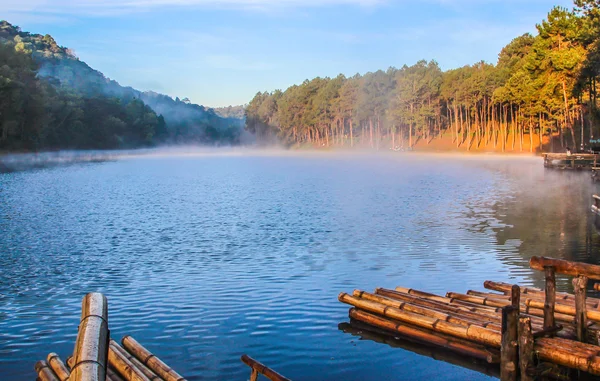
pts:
[570, 161]
[518, 331]
[97, 357]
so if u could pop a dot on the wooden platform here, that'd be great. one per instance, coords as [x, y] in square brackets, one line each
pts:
[522, 331]
[570, 161]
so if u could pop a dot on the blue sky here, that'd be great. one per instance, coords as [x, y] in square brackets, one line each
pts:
[219, 53]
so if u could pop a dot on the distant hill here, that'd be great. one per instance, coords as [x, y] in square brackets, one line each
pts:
[185, 122]
[235, 112]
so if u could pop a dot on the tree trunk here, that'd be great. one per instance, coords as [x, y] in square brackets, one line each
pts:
[541, 135]
[371, 132]
[531, 133]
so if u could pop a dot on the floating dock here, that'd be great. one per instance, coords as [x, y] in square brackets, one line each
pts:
[519, 331]
[98, 358]
[570, 161]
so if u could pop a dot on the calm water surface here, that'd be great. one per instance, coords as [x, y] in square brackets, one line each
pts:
[206, 258]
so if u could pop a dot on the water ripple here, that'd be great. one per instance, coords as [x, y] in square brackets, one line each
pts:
[206, 258]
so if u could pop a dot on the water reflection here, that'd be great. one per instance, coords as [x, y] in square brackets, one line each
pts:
[205, 258]
[367, 332]
[548, 214]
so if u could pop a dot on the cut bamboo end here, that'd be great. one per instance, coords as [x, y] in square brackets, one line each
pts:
[91, 347]
[70, 362]
[44, 371]
[150, 360]
[58, 366]
[257, 367]
[566, 267]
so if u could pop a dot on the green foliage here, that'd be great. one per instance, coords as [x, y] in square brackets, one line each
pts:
[49, 99]
[35, 114]
[540, 83]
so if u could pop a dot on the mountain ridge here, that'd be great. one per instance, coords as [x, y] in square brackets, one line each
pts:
[186, 122]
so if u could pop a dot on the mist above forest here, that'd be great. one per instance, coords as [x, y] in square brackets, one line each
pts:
[541, 94]
[53, 100]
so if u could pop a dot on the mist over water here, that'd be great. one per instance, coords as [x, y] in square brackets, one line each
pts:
[206, 255]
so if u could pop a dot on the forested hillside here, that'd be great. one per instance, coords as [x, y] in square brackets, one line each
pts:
[49, 99]
[236, 112]
[542, 88]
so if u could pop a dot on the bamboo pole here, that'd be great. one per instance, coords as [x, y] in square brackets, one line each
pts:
[509, 353]
[539, 312]
[257, 367]
[563, 353]
[123, 366]
[530, 292]
[135, 362]
[550, 301]
[44, 371]
[150, 360]
[463, 310]
[494, 320]
[470, 332]
[532, 310]
[424, 336]
[111, 375]
[58, 366]
[431, 312]
[566, 267]
[478, 300]
[488, 295]
[526, 341]
[580, 287]
[574, 347]
[534, 305]
[567, 310]
[91, 347]
[439, 300]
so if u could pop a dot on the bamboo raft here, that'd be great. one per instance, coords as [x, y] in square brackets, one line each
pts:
[97, 357]
[519, 331]
[570, 161]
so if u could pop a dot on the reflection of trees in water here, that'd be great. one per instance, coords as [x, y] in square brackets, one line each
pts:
[550, 216]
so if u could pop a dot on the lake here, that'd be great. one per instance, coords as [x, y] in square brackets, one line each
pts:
[206, 257]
